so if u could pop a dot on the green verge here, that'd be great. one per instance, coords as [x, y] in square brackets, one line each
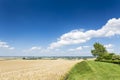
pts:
[91, 70]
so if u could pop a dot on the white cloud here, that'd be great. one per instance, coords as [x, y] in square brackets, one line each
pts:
[76, 49]
[35, 48]
[110, 47]
[79, 48]
[86, 46]
[5, 45]
[11, 48]
[111, 28]
[72, 50]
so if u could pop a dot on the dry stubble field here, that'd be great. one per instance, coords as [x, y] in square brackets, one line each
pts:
[35, 69]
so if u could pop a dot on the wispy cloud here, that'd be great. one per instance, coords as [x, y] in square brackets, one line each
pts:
[35, 48]
[5, 45]
[110, 47]
[76, 49]
[111, 28]
[79, 48]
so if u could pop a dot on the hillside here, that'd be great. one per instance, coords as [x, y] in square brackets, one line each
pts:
[91, 70]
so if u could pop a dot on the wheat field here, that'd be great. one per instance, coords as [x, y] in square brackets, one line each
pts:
[35, 69]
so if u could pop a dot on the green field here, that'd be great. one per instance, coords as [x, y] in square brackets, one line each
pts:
[91, 70]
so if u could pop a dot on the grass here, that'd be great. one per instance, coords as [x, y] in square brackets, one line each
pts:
[91, 70]
[35, 69]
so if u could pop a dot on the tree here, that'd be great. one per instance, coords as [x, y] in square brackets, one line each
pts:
[116, 57]
[99, 50]
[108, 56]
[23, 58]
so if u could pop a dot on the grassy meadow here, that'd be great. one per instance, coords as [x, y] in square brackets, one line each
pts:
[35, 69]
[91, 70]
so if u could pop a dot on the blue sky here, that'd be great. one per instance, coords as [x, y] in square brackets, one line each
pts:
[38, 27]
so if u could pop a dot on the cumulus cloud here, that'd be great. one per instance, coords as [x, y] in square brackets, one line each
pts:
[5, 45]
[111, 28]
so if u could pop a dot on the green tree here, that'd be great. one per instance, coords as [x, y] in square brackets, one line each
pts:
[108, 56]
[99, 50]
[116, 57]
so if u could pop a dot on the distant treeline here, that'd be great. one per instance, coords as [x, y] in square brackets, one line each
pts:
[57, 57]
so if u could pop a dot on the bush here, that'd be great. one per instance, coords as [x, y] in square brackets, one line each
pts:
[23, 58]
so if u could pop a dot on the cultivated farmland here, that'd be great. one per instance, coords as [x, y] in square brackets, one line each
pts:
[35, 69]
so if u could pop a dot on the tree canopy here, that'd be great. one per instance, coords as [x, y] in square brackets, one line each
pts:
[103, 55]
[99, 50]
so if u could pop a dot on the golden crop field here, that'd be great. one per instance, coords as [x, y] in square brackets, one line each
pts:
[35, 69]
